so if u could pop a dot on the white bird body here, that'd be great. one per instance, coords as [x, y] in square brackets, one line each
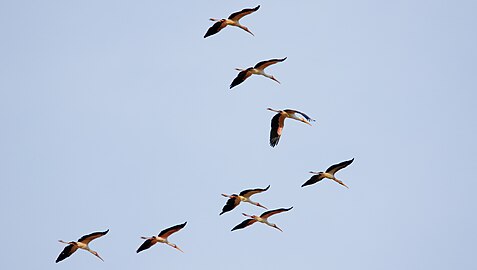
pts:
[161, 238]
[82, 243]
[244, 196]
[263, 218]
[258, 69]
[329, 173]
[232, 20]
[278, 122]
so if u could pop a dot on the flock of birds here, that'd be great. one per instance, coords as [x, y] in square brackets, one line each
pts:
[234, 200]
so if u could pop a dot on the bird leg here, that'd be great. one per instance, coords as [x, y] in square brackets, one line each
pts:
[273, 110]
[247, 215]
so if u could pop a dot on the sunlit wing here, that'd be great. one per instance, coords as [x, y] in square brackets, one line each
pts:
[249, 192]
[165, 233]
[273, 212]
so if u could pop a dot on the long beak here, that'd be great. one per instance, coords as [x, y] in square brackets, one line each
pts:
[248, 31]
[306, 122]
[143, 237]
[259, 205]
[225, 195]
[97, 255]
[239, 69]
[313, 172]
[176, 247]
[247, 215]
[212, 19]
[340, 182]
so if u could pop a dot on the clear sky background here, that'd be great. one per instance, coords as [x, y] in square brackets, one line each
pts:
[117, 115]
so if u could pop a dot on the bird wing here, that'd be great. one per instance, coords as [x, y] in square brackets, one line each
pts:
[334, 168]
[215, 28]
[147, 244]
[314, 179]
[231, 204]
[165, 233]
[67, 251]
[242, 76]
[249, 192]
[244, 224]
[244, 12]
[278, 122]
[262, 65]
[273, 212]
[90, 237]
[290, 111]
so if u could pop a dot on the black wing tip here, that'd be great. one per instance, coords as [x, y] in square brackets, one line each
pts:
[256, 8]
[266, 188]
[289, 208]
[273, 142]
[208, 34]
[283, 59]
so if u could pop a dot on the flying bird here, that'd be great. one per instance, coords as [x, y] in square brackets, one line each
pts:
[263, 218]
[81, 243]
[278, 121]
[243, 196]
[330, 174]
[232, 20]
[162, 238]
[258, 69]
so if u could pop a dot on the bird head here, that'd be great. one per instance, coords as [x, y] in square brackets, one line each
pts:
[176, 247]
[259, 205]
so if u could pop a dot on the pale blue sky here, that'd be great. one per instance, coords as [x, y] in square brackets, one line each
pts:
[117, 114]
